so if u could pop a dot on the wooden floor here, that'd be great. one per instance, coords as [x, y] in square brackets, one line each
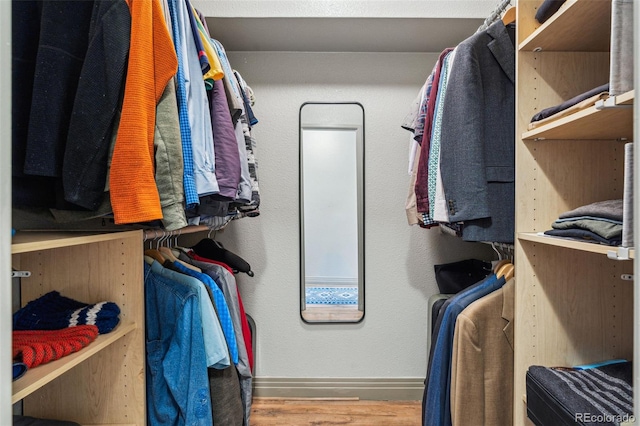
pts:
[294, 412]
[325, 313]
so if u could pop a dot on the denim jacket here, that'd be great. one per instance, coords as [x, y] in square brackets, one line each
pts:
[177, 380]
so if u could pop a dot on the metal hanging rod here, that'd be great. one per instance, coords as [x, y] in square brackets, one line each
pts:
[159, 234]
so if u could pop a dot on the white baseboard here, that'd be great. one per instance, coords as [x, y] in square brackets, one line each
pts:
[404, 389]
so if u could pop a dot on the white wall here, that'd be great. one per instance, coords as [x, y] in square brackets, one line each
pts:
[391, 340]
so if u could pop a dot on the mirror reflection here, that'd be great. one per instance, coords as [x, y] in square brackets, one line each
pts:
[331, 212]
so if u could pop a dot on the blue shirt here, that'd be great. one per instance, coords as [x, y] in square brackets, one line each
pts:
[217, 354]
[221, 306]
[177, 381]
[190, 192]
[438, 399]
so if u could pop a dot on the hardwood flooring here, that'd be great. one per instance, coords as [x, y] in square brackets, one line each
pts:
[317, 411]
[328, 313]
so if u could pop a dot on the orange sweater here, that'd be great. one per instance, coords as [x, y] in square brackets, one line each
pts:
[152, 63]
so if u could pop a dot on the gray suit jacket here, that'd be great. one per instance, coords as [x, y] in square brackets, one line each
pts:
[477, 151]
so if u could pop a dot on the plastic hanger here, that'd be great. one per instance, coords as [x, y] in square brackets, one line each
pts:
[214, 250]
[509, 16]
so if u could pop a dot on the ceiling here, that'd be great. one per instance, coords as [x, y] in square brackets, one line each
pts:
[341, 34]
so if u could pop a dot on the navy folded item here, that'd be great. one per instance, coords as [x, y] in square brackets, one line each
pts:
[583, 235]
[548, 112]
[547, 9]
[34, 421]
[53, 311]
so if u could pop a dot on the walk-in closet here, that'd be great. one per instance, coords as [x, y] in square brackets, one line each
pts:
[319, 212]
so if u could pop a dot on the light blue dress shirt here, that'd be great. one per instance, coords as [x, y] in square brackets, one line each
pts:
[217, 355]
[221, 306]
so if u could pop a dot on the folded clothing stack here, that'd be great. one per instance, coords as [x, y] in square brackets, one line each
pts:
[599, 222]
[53, 311]
[568, 396]
[35, 347]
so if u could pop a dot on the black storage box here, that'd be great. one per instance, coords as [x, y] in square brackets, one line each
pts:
[566, 396]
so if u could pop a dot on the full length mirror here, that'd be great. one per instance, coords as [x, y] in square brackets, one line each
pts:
[331, 212]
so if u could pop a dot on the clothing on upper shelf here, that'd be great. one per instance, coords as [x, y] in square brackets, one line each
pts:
[608, 209]
[547, 9]
[122, 134]
[35, 347]
[578, 102]
[52, 311]
[599, 222]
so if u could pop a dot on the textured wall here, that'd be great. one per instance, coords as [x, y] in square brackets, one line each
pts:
[391, 340]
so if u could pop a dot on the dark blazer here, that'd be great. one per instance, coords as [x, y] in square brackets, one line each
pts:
[478, 137]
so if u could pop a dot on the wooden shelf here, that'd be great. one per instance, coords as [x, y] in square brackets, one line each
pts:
[570, 244]
[39, 376]
[579, 26]
[613, 123]
[29, 241]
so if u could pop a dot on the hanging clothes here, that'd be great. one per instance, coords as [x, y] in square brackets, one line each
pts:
[96, 107]
[437, 398]
[482, 361]
[477, 145]
[151, 54]
[177, 385]
[124, 133]
[226, 281]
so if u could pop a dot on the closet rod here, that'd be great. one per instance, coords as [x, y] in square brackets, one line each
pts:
[155, 234]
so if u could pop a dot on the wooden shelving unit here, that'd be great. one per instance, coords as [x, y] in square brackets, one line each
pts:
[571, 307]
[609, 123]
[104, 383]
[579, 26]
[570, 244]
[37, 377]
